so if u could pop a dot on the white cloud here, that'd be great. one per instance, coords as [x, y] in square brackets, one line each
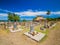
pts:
[35, 13]
[31, 13]
[3, 14]
[58, 12]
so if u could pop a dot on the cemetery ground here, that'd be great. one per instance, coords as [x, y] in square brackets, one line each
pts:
[18, 38]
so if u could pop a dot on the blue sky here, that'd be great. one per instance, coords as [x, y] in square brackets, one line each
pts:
[22, 5]
[29, 7]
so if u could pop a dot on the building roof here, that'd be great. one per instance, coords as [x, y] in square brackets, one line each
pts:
[40, 18]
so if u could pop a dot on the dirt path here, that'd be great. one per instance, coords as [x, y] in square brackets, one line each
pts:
[19, 38]
[53, 36]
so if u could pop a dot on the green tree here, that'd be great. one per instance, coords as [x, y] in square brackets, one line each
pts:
[58, 18]
[24, 20]
[51, 19]
[10, 17]
[13, 17]
[34, 18]
[48, 12]
[16, 17]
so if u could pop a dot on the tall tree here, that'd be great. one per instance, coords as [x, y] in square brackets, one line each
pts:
[46, 22]
[48, 12]
[10, 17]
[16, 17]
[13, 17]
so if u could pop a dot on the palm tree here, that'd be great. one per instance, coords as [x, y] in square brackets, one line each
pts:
[46, 22]
[48, 12]
[13, 17]
[10, 17]
[16, 17]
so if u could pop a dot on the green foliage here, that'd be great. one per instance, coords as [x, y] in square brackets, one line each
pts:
[10, 17]
[16, 17]
[58, 18]
[48, 12]
[24, 20]
[34, 18]
[53, 19]
[13, 17]
[7, 30]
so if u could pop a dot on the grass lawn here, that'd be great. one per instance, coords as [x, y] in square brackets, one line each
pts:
[7, 30]
[4, 32]
[37, 28]
[18, 38]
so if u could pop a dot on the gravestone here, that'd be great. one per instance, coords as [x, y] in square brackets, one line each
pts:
[15, 26]
[45, 25]
[31, 28]
[26, 24]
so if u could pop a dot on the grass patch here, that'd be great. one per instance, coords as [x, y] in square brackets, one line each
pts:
[7, 30]
[24, 28]
[46, 31]
[37, 28]
[43, 39]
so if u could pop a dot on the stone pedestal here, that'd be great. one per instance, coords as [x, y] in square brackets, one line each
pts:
[15, 25]
[31, 28]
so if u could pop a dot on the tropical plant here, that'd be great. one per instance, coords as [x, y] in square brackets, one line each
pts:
[16, 17]
[10, 16]
[48, 12]
[24, 20]
[51, 19]
[13, 17]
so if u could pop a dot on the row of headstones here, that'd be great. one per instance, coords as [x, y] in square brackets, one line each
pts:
[47, 26]
[7, 25]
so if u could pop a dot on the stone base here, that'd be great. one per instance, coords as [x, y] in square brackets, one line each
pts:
[15, 30]
[36, 37]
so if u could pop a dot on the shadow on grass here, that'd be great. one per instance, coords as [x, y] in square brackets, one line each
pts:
[43, 39]
[46, 31]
